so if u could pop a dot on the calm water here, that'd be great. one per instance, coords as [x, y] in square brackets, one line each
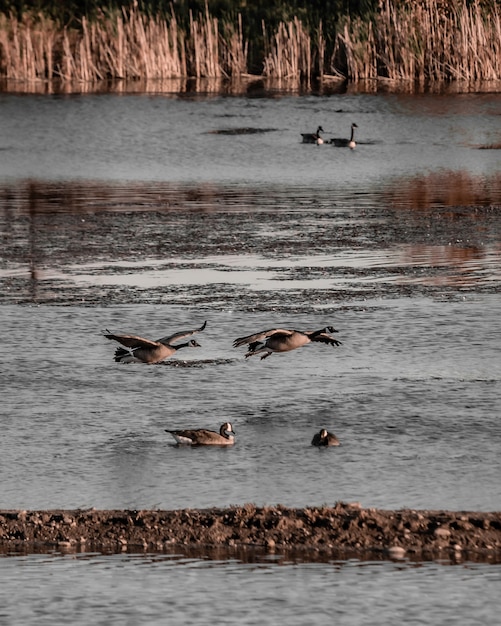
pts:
[157, 589]
[251, 230]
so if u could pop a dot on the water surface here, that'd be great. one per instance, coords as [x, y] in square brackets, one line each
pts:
[148, 214]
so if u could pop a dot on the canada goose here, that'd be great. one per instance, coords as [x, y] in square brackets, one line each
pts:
[324, 438]
[345, 143]
[283, 340]
[203, 437]
[313, 137]
[143, 350]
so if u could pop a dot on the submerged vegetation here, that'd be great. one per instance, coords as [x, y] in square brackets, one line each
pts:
[419, 42]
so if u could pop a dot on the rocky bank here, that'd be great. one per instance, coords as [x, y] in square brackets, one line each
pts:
[341, 528]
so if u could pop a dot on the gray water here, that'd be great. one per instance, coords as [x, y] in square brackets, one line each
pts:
[412, 393]
[158, 589]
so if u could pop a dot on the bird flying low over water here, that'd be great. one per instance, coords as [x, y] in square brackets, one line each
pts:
[313, 137]
[204, 437]
[324, 438]
[283, 340]
[141, 350]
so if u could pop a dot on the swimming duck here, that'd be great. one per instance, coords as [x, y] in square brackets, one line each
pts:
[284, 340]
[204, 437]
[345, 143]
[324, 438]
[143, 350]
[313, 137]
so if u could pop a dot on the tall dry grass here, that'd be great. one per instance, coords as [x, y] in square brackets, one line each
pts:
[126, 45]
[429, 40]
[287, 51]
[421, 41]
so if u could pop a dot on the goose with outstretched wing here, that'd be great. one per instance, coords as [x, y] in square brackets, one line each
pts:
[142, 350]
[283, 340]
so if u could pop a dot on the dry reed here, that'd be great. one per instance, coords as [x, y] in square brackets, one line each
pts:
[126, 45]
[424, 41]
[288, 52]
[430, 40]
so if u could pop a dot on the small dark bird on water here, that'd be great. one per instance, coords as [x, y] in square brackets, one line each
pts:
[325, 438]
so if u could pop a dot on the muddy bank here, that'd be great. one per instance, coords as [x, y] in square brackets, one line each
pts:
[343, 528]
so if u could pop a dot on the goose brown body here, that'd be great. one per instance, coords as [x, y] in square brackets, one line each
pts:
[283, 340]
[204, 437]
[145, 350]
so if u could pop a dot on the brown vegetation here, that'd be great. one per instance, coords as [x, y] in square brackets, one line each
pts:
[430, 40]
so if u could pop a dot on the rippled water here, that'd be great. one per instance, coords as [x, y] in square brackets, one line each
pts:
[414, 388]
[155, 589]
[136, 213]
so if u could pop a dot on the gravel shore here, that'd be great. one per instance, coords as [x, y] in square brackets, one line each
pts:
[343, 527]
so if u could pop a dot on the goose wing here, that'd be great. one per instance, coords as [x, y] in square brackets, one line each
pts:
[261, 336]
[194, 436]
[324, 337]
[132, 341]
[181, 335]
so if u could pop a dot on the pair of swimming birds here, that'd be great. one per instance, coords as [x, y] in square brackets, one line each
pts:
[339, 142]
[226, 437]
[265, 342]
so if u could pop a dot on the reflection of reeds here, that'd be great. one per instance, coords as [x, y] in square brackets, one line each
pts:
[446, 189]
[424, 41]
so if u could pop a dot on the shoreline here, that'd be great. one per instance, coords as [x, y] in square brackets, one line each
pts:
[341, 529]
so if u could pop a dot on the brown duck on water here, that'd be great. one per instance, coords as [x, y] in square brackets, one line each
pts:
[204, 437]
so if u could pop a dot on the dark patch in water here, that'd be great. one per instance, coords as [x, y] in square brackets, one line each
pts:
[198, 363]
[246, 130]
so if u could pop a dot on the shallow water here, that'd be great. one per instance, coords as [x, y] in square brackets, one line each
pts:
[132, 213]
[153, 589]
[165, 138]
[413, 387]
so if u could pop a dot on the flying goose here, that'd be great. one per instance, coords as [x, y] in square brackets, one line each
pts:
[283, 340]
[313, 137]
[203, 437]
[324, 438]
[141, 350]
[345, 143]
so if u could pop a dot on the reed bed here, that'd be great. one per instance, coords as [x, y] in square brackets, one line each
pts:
[288, 51]
[429, 40]
[126, 45]
[424, 41]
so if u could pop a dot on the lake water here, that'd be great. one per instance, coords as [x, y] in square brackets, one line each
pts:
[149, 214]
